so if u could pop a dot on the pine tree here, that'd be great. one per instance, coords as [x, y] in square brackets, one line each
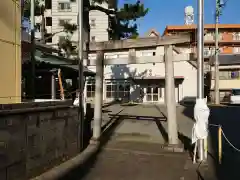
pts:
[122, 21]
[126, 26]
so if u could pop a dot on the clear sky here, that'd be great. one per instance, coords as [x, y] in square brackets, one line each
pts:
[171, 12]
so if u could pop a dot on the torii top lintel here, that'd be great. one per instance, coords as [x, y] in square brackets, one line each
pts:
[139, 43]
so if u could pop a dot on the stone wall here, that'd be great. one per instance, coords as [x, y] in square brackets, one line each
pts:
[35, 137]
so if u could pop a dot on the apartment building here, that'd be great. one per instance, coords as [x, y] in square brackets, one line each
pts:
[229, 48]
[229, 37]
[10, 50]
[59, 11]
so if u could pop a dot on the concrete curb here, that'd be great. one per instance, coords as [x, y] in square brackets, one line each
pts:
[64, 168]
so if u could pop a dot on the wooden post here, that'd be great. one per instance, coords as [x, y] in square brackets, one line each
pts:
[170, 96]
[53, 86]
[61, 85]
[97, 124]
[220, 145]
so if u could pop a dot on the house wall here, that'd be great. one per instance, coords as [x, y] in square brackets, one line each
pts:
[188, 87]
[10, 50]
[227, 83]
[100, 30]
[145, 75]
[227, 36]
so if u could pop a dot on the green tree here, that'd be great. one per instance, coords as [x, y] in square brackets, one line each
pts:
[125, 25]
[122, 21]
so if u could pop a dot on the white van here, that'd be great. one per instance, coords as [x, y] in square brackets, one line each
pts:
[235, 96]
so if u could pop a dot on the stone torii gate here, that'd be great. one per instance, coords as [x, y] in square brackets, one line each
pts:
[169, 43]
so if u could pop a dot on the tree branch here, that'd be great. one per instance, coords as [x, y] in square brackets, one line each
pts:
[53, 34]
[102, 9]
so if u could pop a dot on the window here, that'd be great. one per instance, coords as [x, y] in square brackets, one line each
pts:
[147, 53]
[208, 51]
[93, 38]
[48, 4]
[209, 36]
[48, 38]
[64, 7]
[234, 74]
[118, 89]
[125, 55]
[61, 22]
[90, 88]
[93, 23]
[236, 36]
[111, 88]
[38, 27]
[229, 74]
[123, 90]
[223, 75]
[236, 92]
[48, 21]
[236, 50]
[111, 56]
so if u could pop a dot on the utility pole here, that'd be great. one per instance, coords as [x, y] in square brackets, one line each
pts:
[33, 63]
[80, 75]
[219, 5]
[200, 62]
[43, 25]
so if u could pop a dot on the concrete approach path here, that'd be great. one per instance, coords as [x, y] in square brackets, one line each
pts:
[148, 122]
[133, 149]
[136, 161]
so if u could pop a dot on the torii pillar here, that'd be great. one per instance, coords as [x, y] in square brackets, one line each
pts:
[97, 123]
[170, 96]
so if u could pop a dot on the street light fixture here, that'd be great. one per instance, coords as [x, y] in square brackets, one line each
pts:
[200, 71]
